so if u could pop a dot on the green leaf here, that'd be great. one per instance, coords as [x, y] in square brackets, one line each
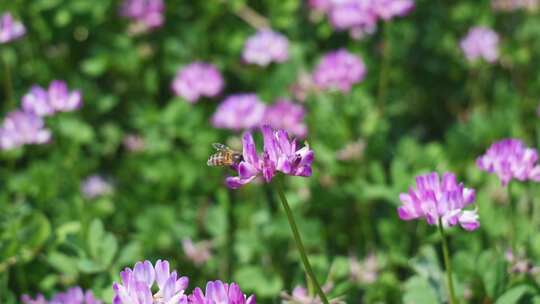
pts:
[514, 294]
[418, 290]
[262, 283]
[95, 237]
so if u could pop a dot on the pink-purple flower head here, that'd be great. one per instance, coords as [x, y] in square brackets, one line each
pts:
[265, 47]
[280, 154]
[74, 295]
[137, 285]
[218, 292]
[239, 112]
[57, 98]
[510, 159]
[481, 43]
[360, 17]
[435, 199]
[339, 70]
[10, 29]
[197, 80]
[287, 116]
[148, 14]
[22, 128]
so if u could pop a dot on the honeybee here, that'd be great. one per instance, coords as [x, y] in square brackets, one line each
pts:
[224, 156]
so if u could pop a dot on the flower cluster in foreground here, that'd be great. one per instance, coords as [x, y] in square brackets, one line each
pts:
[481, 43]
[265, 47]
[339, 70]
[138, 285]
[27, 126]
[196, 80]
[74, 295]
[360, 17]
[510, 159]
[146, 14]
[10, 29]
[279, 154]
[439, 199]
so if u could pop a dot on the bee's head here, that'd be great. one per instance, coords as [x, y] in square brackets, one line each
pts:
[237, 157]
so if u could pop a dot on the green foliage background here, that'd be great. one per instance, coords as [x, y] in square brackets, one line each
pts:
[422, 108]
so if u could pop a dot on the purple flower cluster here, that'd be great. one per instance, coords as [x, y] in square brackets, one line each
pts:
[246, 111]
[146, 13]
[360, 17]
[280, 154]
[435, 199]
[73, 295]
[198, 252]
[197, 80]
[481, 43]
[57, 98]
[510, 159]
[218, 292]
[239, 112]
[22, 128]
[266, 46]
[138, 284]
[339, 70]
[26, 126]
[10, 29]
[286, 115]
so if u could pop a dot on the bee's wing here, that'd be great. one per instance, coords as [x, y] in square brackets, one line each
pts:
[220, 147]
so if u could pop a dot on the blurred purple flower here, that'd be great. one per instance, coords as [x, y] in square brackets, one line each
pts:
[280, 155]
[133, 143]
[288, 116]
[360, 17]
[512, 5]
[218, 292]
[238, 112]
[300, 295]
[199, 252]
[339, 70]
[320, 5]
[74, 295]
[10, 29]
[388, 9]
[510, 158]
[57, 98]
[146, 13]
[266, 46]
[21, 128]
[435, 199]
[137, 285]
[61, 99]
[197, 80]
[353, 14]
[481, 42]
[366, 271]
[40, 299]
[37, 102]
[95, 186]
[520, 263]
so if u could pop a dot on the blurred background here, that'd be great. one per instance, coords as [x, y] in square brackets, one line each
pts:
[124, 177]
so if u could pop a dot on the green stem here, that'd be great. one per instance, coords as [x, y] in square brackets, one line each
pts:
[447, 265]
[298, 240]
[512, 206]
